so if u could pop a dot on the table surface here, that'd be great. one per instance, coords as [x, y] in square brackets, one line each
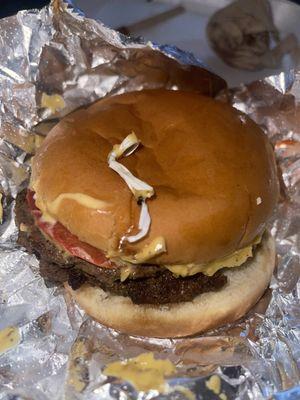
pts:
[187, 31]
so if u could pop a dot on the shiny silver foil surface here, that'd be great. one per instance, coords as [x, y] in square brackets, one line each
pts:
[58, 51]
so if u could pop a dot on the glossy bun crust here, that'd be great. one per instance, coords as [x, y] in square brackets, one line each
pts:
[245, 286]
[212, 169]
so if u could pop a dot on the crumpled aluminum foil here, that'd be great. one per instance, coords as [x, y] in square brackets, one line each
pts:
[57, 50]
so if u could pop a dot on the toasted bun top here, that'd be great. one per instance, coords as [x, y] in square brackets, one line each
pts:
[211, 167]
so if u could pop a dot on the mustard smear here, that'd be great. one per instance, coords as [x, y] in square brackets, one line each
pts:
[54, 102]
[186, 392]
[214, 384]
[9, 338]
[144, 372]
[77, 368]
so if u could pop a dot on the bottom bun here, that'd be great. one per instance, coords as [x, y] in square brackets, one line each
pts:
[244, 287]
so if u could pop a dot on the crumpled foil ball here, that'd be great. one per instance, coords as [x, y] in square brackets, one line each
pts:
[243, 34]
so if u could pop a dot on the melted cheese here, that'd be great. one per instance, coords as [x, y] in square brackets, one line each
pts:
[234, 260]
[157, 246]
[9, 338]
[53, 102]
[125, 272]
[144, 372]
[83, 199]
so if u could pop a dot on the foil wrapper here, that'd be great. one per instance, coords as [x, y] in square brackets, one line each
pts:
[60, 353]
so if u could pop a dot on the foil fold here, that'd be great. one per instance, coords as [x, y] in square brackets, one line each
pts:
[62, 352]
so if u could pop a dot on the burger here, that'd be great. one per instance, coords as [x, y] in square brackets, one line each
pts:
[151, 209]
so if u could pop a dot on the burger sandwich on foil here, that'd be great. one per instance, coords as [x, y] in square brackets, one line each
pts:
[151, 208]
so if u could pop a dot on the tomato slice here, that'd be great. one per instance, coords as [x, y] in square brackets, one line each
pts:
[65, 239]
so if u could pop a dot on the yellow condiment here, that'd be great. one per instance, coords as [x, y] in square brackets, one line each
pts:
[125, 272]
[144, 372]
[83, 199]
[76, 369]
[223, 396]
[80, 198]
[157, 246]
[38, 140]
[234, 260]
[54, 102]
[9, 338]
[214, 384]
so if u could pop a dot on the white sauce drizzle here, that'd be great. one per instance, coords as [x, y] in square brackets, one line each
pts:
[141, 190]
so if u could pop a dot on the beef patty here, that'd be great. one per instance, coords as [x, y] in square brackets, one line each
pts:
[149, 284]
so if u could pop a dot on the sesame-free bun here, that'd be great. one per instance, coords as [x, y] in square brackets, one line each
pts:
[211, 167]
[246, 284]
